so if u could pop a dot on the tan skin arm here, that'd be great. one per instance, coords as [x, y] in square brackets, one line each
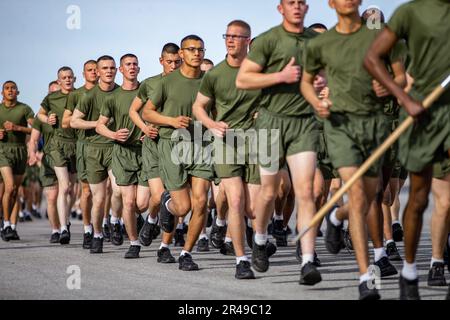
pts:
[9, 126]
[120, 135]
[66, 119]
[322, 106]
[151, 115]
[149, 130]
[32, 146]
[374, 64]
[199, 110]
[77, 121]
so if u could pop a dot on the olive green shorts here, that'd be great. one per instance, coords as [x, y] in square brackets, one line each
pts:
[175, 171]
[98, 161]
[426, 142]
[47, 175]
[391, 155]
[31, 175]
[323, 159]
[351, 139]
[62, 153]
[126, 165]
[441, 169]
[14, 156]
[81, 161]
[292, 135]
[399, 171]
[150, 158]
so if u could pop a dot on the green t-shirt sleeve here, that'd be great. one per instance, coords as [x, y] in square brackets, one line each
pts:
[107, 107]
[207, 86]
[71, 102]
[83, 104]
[399, 22]
[142, 93]
[29, 113]
[260, 50]
[46, 104]
[37, 124]
[157, 97]
[311, 58]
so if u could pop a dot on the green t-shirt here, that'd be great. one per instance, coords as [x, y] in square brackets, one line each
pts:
[19, 114]
[116, 107]
[174, 96]
[56, 103]
[233, 106]
[72, 101]
[45, 130]
[90, 105]
[342, 57]
[147, 87]
[273, 50]
[425, 25]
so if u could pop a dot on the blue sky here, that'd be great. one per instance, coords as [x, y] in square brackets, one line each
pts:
[36, 40]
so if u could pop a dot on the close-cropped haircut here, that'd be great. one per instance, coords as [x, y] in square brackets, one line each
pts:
[128, 55]
[89, 62]
[52, 83]
[208, 61]
[242, 24]
[170, 48]
[64, 68]
[318, 26]
[105, 58]
[191, 37]
[8, 81]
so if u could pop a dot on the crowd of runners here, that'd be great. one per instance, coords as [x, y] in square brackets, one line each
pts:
[323, 100]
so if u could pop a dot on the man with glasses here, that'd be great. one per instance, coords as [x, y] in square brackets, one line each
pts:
[273, 64]
[187, 182]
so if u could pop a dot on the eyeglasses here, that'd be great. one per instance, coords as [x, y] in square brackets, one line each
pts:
[234, 36]
[193, 49]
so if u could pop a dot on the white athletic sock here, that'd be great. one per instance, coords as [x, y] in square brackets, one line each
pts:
[180, 226]
[203, 236]
[167, 205]
[334, 220]
[121, 221]
[21, 214]
[260, 239]
[228, 240]
[389, 241]
[152, 220]
[6, 224]
[55, 231]
[239, 259]
[250, 225]
[409, 271]
[307, 257]
[163, 245]
[379, 253]
[278, 217]
[220, 222]
[88, 229]
[105, 221]
[63, 228]
[98, 235]
[13, 226]
[34, 206]
[364, 277]
[183, 252]
[395, 221]
[135, 243]
[114, 220]
[433, 260]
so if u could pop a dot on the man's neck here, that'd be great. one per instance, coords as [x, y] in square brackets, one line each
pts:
[106, 86]
[349, 24]
[129, 84]
[190, 72]
[236, 61]
[294, 28]
[9, 103]
[64, 91]
[89, 85]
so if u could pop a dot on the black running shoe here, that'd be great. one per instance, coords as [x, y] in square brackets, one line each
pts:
[319, 233]
[73, 214]
[397, 232]
[271, 249]
[97, 245]
[288, 230]
[106, 231]
[209, 221]
[366, 293]
[386, 268]
[87, 240]
[164, 256]
[347, 240]
[309, 275]
[436, 276]
[133, 252]
[392, 252]
[28, 218]
[217, 235]
[316, 261]
[139, 223]
[243, 271]
[15, 236]
[167, 219]
[186, 263]
[277, 228]
[179, 238]
[117, 234]
[2, 233]
[333, 236]
[156, 231]
[203, 245]
[185, 227]
[227, 249]
[260, 260]
[64, 237]
[298, 251]
[146, 234]
[54, 238]
[249, 236]
[8, 233]
[409, 289]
